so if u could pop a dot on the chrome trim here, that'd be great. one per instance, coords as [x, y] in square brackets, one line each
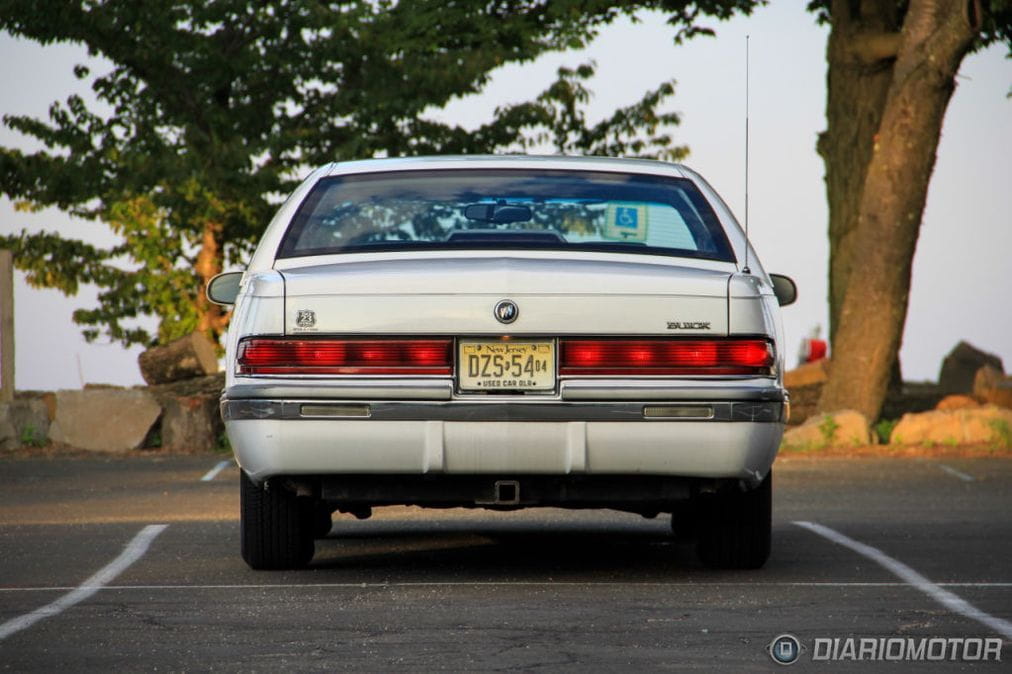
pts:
[726, 411]
[349, 389]
[695, 390]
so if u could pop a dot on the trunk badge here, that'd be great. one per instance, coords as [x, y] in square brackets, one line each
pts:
[305, 318]
[506, 311]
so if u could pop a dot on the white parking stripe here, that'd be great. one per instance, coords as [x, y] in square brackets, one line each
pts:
[520, 583]
[947, 599]
[213, 473]
[134, 550]
[956, 473]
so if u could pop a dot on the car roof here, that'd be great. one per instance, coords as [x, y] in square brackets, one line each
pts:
[506, 161]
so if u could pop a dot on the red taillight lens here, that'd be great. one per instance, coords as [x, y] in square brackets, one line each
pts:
[263, 355]
[664, 356]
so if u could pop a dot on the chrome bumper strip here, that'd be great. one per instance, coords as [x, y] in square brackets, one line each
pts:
[598, 389]
[363, 389]
[750, 411]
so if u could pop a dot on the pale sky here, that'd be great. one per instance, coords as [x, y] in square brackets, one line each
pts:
[960, 282]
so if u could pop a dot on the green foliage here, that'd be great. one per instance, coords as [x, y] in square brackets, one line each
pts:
[828, 428]
[884, 429]
[1002, 432]
[223, 446]
[211, 110]
[31, 437]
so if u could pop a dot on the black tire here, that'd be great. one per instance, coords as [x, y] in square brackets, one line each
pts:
[323, 521]
[276, 526]
[734, 527]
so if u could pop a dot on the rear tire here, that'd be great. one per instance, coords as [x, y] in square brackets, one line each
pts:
[276, 526]
[734, 527]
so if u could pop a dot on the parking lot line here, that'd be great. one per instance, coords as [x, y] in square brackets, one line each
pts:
[133, 551]
[213, 473]
[520, 583]
[956, 473]
[951, 601]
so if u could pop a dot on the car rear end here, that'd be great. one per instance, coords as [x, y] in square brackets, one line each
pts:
[505, 333]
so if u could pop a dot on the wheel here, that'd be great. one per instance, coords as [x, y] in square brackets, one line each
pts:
[276, 526]
[734, 527]
[322, 520]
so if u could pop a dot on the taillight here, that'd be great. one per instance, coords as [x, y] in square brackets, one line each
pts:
[664, 356]
[266, 355]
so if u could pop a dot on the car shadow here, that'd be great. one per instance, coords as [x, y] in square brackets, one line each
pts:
[456, 551]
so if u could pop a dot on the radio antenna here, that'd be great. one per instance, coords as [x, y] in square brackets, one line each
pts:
[745, 269]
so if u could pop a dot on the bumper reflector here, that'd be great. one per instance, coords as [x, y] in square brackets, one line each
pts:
[678, 412]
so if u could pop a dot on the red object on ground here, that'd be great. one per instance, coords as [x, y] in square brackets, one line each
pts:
[813, 350]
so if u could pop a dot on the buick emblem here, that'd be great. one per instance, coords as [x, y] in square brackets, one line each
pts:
[506, 311]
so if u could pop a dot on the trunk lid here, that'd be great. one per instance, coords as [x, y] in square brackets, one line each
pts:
[456, 296]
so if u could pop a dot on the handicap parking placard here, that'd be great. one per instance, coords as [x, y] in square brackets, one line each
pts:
[626, 222]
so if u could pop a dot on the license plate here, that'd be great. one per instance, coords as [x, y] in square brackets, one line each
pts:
[506, 366]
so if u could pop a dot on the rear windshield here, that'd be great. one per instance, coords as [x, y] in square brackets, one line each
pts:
[506, 209]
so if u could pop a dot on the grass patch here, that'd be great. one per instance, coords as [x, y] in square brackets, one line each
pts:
[884, 429]
[31, 437]
[828, 427]
[1002, 432]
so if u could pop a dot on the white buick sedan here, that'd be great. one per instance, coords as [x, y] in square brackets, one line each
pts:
[505, 332]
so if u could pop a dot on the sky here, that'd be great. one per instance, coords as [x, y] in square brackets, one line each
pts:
[960, 288]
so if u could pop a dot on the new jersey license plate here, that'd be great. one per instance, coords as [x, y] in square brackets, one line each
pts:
[506, 365]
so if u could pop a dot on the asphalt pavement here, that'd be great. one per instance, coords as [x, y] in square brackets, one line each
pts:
[132, 564]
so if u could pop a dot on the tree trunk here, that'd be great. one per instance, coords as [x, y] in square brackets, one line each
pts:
[933, 41]
[211, 318]
[861, 52]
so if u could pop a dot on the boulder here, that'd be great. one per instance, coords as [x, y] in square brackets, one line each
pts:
[192, 356]
[807, 375]
[970, 426]
[191, 423]
[956, 402]
[839, 429]
[961, 365]
[24, 422]
[104, 420]
[993, 387]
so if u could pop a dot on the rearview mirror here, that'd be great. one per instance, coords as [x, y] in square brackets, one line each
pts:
[784, 288]
[224, 288]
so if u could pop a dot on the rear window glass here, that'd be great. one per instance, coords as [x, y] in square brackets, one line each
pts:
[506, 209]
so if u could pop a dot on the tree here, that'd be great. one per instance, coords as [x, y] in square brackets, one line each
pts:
[892, 69]
[215, 107]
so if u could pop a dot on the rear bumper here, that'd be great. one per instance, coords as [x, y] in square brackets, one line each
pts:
[689, 438]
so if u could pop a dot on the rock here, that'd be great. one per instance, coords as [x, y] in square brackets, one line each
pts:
[961, 365]
[191, 423]
[840, 429]
[192, 356]
[807, 374]
[985, 378]
[956, 402]
[104, 420]
[1000, 395]
[24, 422]
[991, 386]
[804, 403]
[988, 424]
